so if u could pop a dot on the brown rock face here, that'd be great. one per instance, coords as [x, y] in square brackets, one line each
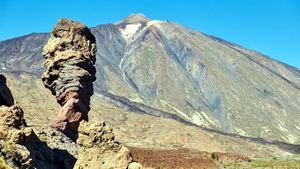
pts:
[22, 148]
[70, 71]
[12, 132]
[98, 149]
[12, 116]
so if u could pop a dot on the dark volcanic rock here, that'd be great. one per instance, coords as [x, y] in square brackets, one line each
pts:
[70, 71]
[6, 97]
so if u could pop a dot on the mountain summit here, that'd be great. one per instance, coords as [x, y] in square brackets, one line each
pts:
[165, 69]
[134, 19]
[134, 24]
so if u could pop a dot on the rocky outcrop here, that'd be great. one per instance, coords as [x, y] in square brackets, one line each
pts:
[6, 97]
[25, 147]
[98, 149]
[12, 135]
[70, 71]
[12, 117]
[22, 147]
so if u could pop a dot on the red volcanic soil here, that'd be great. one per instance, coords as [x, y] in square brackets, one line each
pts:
[173, 159]
[182, 158]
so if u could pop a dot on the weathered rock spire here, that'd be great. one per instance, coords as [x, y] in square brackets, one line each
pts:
[70, 71]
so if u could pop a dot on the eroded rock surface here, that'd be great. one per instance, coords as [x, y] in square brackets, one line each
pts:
[70, 71]
[12, 132]
[25, 147]
[12, 117]
[12, 135]
[98, 149]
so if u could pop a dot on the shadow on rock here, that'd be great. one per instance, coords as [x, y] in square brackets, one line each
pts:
[45, 157]
[6, 97]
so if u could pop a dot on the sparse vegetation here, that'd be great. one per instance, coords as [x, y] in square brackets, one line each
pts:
[270, 163]
[3, 165]
[266, 164]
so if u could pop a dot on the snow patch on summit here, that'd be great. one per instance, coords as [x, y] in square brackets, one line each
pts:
[154, 22]
[130, 30]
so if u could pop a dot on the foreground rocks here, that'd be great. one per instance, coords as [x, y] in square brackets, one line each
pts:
[25, 147]
[22, 147]
[98, 148]
[47, 148]
[70, 71]
[12, 136]
[12, 129]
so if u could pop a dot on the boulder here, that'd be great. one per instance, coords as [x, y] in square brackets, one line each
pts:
[98, 149]
[12, 136]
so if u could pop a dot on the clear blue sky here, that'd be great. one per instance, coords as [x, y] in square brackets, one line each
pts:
[269, 26]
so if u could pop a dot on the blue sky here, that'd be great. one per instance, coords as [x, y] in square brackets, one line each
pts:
[269, 26]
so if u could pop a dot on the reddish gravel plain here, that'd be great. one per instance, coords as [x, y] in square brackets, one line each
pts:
[182, 158]
[172, 159]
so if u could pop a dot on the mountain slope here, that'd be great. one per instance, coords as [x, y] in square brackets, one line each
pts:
[136, 129]
[196, 77]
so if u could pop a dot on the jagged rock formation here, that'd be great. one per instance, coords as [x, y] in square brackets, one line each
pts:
[12, 117]
[70, 57]
[6, 97]
[22, 148]
[70, 71]
[12, 136]
[98, 148]
[12, 132]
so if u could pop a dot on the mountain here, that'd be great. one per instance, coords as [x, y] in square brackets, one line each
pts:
[153, 141]
[165, 69]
